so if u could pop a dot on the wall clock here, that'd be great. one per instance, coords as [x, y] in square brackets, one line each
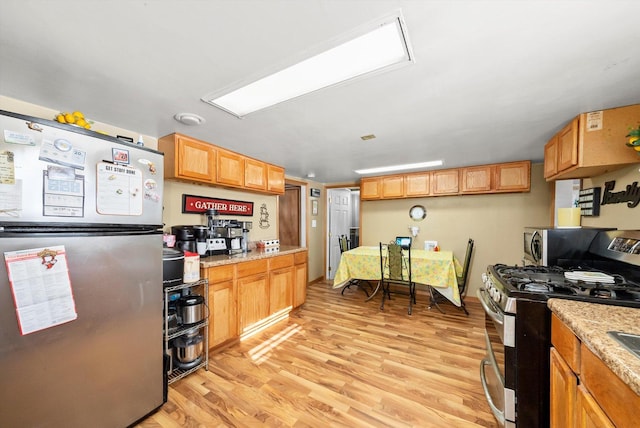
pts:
[417, 212]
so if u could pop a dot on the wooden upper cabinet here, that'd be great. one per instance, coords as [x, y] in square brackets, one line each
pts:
[445, 182]
[230, 168]
[495, 178]
[568, 146]
[417, 184]
[188, 158]
[371, 188]
[551, 157]
[255, 174]
[513, 177]
[275, 179]
[477, 179]
[393, 186]
[592, 144]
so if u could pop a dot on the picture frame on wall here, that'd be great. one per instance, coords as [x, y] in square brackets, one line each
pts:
[314, 207]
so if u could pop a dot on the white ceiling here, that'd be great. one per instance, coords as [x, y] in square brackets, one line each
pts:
[492, 81]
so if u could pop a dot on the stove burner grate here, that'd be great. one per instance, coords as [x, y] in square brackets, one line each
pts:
[550, 280]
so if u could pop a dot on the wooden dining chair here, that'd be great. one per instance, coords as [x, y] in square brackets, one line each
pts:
[395, 268]
[345, 245]
[436, 298]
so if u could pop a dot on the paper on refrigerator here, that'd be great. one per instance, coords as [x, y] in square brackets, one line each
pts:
[41, 288]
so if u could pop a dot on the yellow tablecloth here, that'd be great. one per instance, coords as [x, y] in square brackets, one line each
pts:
[435, 268]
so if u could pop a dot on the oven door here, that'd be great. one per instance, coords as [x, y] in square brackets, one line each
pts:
[493, 366]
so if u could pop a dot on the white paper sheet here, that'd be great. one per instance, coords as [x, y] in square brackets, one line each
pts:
[42, 293]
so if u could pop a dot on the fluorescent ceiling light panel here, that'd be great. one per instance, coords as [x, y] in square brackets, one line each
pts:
[382, 47]
[399, 167]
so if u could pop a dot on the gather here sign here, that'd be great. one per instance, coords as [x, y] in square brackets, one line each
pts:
[199, 204]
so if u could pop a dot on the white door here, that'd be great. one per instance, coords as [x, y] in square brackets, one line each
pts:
[339, 213]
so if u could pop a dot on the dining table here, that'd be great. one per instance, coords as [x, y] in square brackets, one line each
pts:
[438, 269]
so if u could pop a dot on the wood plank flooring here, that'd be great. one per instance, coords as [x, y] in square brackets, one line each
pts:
[339, 361]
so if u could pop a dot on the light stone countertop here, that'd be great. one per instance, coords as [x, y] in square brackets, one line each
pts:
[255, 254]
[591, 321]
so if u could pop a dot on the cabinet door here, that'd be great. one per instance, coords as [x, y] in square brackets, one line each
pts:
[230, 168]
[370, 188]
[417, 184]
[588, 412]
[255, 174]
[275, 179]
[568, 146]
[300, 284]
[513, 177]
[193, 159]
[280, 289]
[222, 312]
[223, 323]
[476, 179]
[253, 298]
[563, 392]
[392, 186]
[551, 157]
[445, 182]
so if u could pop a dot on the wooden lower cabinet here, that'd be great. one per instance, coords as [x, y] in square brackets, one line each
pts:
[584, 391]
[223, 325]
[253, 293]
[247, 295]
[300, 279]
[588, 412]
[280, 283]
[563, 390]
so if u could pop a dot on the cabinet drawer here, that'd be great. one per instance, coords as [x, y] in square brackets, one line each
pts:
[281, 262]
[220, 273]
[300, 257]
[566, 343]
[252, 268]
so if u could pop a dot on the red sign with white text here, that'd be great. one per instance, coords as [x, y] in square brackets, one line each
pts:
[200, 204]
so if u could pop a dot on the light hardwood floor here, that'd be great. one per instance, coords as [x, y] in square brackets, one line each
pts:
[339, 361]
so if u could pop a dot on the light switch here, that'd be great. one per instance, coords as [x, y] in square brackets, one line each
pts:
[313, 223]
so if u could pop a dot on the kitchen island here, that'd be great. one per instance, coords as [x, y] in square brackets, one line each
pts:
[250, 291]
[593, 377]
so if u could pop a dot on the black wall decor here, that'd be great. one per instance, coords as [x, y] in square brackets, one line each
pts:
[631, 194]
[589, 202]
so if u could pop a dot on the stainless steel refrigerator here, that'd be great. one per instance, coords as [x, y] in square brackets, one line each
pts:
[81, 283]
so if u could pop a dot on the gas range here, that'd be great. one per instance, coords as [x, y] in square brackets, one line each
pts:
[515, 372]
[505, 282]
[609, 273]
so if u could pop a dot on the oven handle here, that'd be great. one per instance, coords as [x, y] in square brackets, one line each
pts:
[496, 316]
[492, 358]
[499, 414]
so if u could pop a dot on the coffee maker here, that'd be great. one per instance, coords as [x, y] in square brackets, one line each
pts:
[185, 238]
[226, 236]
[213, 244]
[231, 231]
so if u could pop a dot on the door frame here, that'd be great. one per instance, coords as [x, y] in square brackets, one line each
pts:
[303, 207]
[327, 243]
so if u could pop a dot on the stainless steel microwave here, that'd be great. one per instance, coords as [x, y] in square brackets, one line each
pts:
[557, 247]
